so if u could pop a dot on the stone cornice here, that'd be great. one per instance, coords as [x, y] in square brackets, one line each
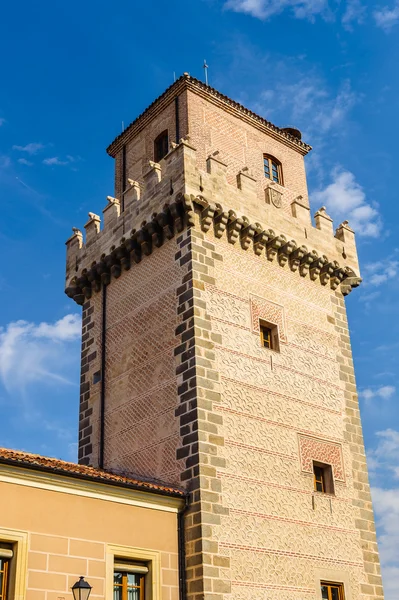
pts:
[186, 82]
[238, 229]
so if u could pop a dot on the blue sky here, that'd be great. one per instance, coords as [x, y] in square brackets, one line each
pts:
[72, 72]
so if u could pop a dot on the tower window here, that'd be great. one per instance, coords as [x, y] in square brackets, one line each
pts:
[161, 146]
[272, 168]
[323, 478]
[269, 336]
[332, 591]
[129, 581]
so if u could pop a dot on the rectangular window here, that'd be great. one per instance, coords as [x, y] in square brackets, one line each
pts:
[4, 569]
[269, 336]
[323, 478]
[129, 581]
[6, 554]
[332, 591]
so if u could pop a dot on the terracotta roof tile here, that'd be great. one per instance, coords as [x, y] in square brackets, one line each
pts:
[61, 467]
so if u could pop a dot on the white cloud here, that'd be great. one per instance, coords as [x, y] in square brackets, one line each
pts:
[32, 353]
[55, 161]
[264, 9]
[354, 13]
[367, 298]
[387, 17]
[32, 148]
[23, 161]
[381, 271]
[345, 198]
[385, 392]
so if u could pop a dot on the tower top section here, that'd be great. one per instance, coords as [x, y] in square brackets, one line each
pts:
[194, 151]
[289, 135]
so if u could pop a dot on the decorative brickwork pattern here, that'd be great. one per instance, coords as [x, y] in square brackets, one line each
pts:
[325, 452]
[270, 312]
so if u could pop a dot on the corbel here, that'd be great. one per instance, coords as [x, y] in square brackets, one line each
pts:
[296, 257]
[176, 214]
[206, 215]
[113, 263]
[273, 246]
[327, 272]
[144, 240]
[84, 284]
[349, 283]
[133, 247]
[165, 221]
[337, 277]
[94, 277]
[155, 232]
[220, 221]
[234, 227]
[247, 234]
[306, 261]
[103, 271]
[123, 255]
[285, 251]
[261, 238]
[188, 210]
[316, 267]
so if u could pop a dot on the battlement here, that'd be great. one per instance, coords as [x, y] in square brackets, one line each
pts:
[273, 220]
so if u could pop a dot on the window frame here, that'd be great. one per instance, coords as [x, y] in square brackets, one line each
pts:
[125, 583]
[272, 162]
[326, 480]
[329, 585]
[273, 336]
[161, 137]
[18, 564]
[116, 554]
[4, 571]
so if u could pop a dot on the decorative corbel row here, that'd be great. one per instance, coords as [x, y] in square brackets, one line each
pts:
[267, 242]
[163, 226]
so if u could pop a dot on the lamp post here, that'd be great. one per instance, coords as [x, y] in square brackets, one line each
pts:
[81, 589]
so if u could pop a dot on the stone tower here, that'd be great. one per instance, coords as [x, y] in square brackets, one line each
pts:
[216, 352]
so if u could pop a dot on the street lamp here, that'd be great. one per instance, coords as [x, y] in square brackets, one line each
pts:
[81, 589]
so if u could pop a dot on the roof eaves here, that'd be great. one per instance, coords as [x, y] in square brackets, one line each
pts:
[188, 82]
[102, 477]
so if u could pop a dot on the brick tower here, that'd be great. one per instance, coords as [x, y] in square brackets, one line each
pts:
[216, 352]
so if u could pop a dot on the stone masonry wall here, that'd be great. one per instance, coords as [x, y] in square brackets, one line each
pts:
[274, 413]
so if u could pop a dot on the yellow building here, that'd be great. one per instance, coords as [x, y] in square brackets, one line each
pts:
[60, 521]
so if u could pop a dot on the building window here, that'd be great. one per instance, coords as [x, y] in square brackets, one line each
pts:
[129, 581]
[272, 168]
[161, 146]
[269, 336]
[323, 478]
[6, 555]
[332, 591]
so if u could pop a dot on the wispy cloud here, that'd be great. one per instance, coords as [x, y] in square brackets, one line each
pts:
[31, 353]
[32, 148]
[2, 121]
[345, 198]
[381, 271]
[56, 161]
[386, 17]
[383, 461]
[264, 9]
[24, 161]
[354, 14]
[384, 392]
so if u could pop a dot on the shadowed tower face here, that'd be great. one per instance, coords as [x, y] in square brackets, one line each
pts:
[216, 352]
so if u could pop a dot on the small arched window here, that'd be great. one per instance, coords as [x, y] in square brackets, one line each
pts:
[161, 146]
[272, 169]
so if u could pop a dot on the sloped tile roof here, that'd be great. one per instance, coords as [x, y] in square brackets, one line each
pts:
[61, 467]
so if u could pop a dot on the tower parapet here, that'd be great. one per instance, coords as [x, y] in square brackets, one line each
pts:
[153, 212]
